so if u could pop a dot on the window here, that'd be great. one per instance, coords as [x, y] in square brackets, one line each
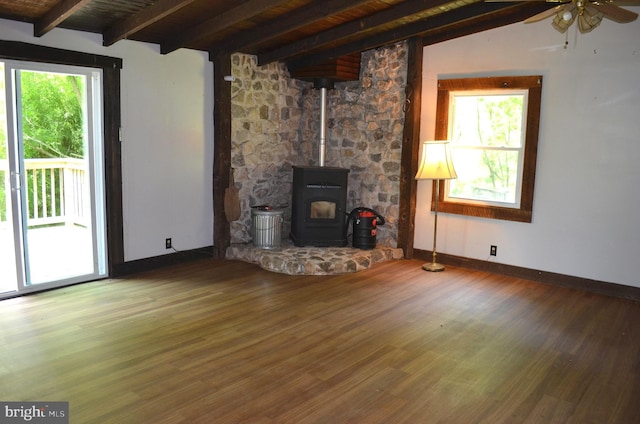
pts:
[492, 124]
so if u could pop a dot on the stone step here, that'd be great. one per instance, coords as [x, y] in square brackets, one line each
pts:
[294, 260]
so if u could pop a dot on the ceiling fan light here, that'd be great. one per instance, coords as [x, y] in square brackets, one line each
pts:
[589, 13]
[563, 19]
[589, 18]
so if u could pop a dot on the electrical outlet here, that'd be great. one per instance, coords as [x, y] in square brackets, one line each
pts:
[493, 251]
[167, 243]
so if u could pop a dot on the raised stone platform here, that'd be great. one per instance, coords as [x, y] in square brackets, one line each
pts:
[290, 259]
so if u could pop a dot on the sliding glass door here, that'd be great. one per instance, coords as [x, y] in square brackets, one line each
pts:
[51, 189]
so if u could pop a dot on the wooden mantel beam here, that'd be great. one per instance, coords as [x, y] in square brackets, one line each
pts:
[147, 16]
[56, 15]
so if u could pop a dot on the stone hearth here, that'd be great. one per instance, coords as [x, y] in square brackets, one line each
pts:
[290, 259]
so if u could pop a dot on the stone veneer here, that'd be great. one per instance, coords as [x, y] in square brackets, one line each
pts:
[289, 259]
[275, 125]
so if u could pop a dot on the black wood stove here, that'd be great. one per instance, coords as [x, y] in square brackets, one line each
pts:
[318, 208]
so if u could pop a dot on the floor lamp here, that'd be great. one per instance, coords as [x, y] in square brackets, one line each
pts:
[435, 165]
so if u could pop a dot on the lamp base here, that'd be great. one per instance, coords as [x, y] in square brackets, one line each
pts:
[433, 267]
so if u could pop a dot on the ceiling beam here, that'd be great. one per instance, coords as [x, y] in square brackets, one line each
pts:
[359, 26]
[145, 17]
[224, 20]
[56, 15]
[284, 24]
[468, 14]
[513, 15]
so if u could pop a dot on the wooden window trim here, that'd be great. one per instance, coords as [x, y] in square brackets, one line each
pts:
[534, 85]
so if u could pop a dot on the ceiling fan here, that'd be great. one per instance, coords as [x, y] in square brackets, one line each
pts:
[588, 13]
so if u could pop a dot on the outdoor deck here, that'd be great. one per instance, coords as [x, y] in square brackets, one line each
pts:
[58, 244]
[55, 253]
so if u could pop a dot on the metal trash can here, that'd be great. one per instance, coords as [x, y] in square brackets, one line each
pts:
[267, 228]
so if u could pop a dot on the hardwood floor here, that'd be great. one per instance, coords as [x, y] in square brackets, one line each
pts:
[226, 342]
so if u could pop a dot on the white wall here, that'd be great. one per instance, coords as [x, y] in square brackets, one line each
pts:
[586, 214]
[167, 153]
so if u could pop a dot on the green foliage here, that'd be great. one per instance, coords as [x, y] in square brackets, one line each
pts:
[52, 116]
[3, 146]
[501, 117]
[3, 116]
[483, 125]
[52, 120]
[505, 117]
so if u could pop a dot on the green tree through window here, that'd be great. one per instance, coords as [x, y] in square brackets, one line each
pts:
[52, 115]
[4, 166]
[52, 122]
[486, 136]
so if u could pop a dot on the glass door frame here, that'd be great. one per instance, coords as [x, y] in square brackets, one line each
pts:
[111, 68]
[92, 112]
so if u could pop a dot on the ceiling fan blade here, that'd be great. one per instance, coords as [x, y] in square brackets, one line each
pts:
[589, 18]
[544, 15]
[620, 2]
[615, 13]
[546, 1]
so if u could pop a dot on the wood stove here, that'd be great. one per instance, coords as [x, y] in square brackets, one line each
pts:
[318, 207]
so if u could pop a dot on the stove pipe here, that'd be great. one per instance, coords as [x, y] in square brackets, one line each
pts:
[322, 150]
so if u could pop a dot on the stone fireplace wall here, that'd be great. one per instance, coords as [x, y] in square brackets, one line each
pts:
[266, 108]
[276, 124]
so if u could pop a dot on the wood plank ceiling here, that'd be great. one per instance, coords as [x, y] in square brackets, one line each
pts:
[300, 33]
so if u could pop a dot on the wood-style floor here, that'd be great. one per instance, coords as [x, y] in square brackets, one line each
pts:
[226, 342]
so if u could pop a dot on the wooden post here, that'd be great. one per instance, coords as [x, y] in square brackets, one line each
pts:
[410, 148]
[221, 151]
[113, 167]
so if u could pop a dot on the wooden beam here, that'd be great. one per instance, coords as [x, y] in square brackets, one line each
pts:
[56, 15]
[113, 169]
[240, 13]
[464, 17]
[284, 24]
[359, 26]
[410, 148]
[221, 151]
[18, 50]
[517, 13]
[147, 16]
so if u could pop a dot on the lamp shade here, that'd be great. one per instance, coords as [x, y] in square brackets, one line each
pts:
[436, 163]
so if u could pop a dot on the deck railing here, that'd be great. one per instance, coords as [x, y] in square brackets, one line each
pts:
[56, 191]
